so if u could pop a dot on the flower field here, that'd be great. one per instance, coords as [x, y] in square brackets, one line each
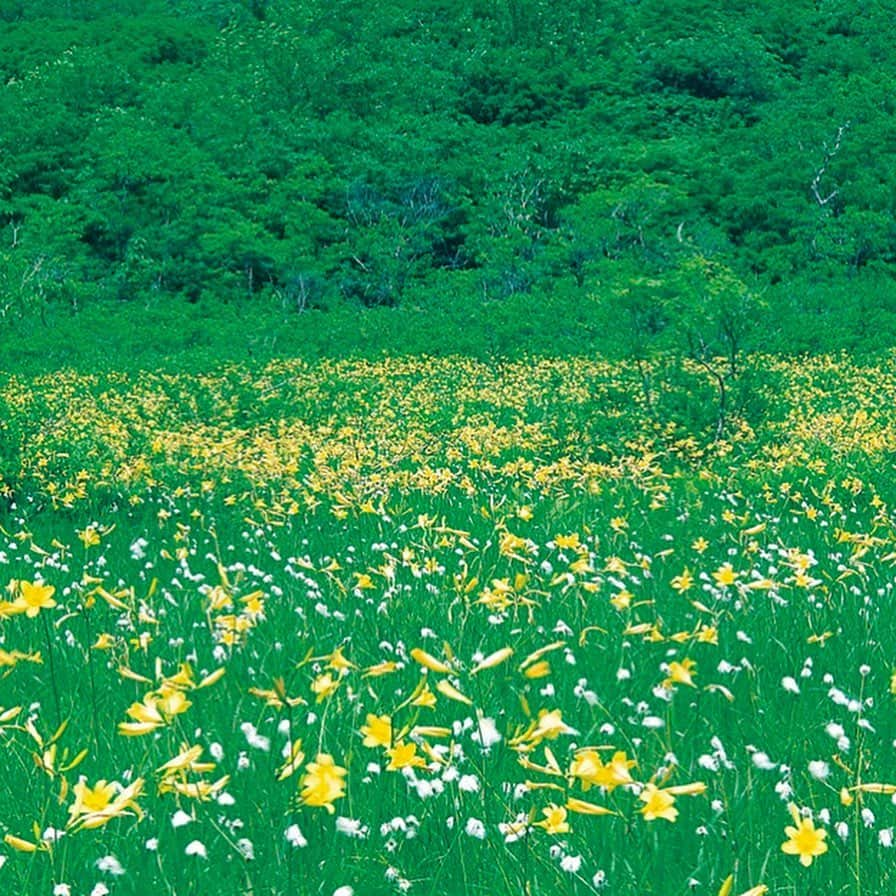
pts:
[439, 626]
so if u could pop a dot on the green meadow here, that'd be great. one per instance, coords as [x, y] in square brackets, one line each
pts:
[446, 625]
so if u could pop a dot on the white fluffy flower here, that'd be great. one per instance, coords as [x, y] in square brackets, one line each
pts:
[180, 818]
[196, 848]
[486, 733]
[351, 827]
[468, 784]
[254, 739]
[110, 865]
[835, 730]
[294, 836]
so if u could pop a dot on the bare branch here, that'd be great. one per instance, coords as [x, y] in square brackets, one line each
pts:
[829, 154]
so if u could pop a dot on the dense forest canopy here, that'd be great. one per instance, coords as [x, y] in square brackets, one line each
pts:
[328, 151]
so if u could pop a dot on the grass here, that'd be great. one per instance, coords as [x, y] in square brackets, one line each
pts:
[251, 554]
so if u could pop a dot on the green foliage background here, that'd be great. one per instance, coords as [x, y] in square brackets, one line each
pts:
[310, 155]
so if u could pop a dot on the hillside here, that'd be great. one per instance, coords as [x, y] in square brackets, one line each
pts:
[322, 154]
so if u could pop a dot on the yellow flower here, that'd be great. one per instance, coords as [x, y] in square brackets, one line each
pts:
[657, 804]
[91, 799]
[296, 758]
[171, 701]
[323, 783]
[89, 536]
[622, 600]
[551, 725]
[587, 767]
[618, 770]
[591, 771]
[425, 699]
[538, 670]
[94, 806]
[339, 662]
[492, 660]
[404, 756]
[534, 658]
[194, 790]
[707, 634]
[684, 582]
[21, 845]
[681, 673]
[13, 657]
[428, 661]
[554, 819]
[725, 575]
[446, 689]
[34, 597]
[804, 840]
[383, 668]
[186, 760]
[324, 685]
[585, 808]
[146, 716]
[378, 731]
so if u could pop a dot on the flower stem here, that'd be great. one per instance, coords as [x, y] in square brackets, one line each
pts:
[52, 665]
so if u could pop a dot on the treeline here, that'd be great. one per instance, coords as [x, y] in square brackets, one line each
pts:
[328, 151]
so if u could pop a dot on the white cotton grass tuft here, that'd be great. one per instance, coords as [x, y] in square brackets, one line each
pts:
[180, 819]
[486, 733]
[763, 762]
[295, 837]
[351, 827]
[468, 784]
[110, 865]
[254, 739]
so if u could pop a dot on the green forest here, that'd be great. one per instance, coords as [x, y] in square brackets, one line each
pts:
[627, 162]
